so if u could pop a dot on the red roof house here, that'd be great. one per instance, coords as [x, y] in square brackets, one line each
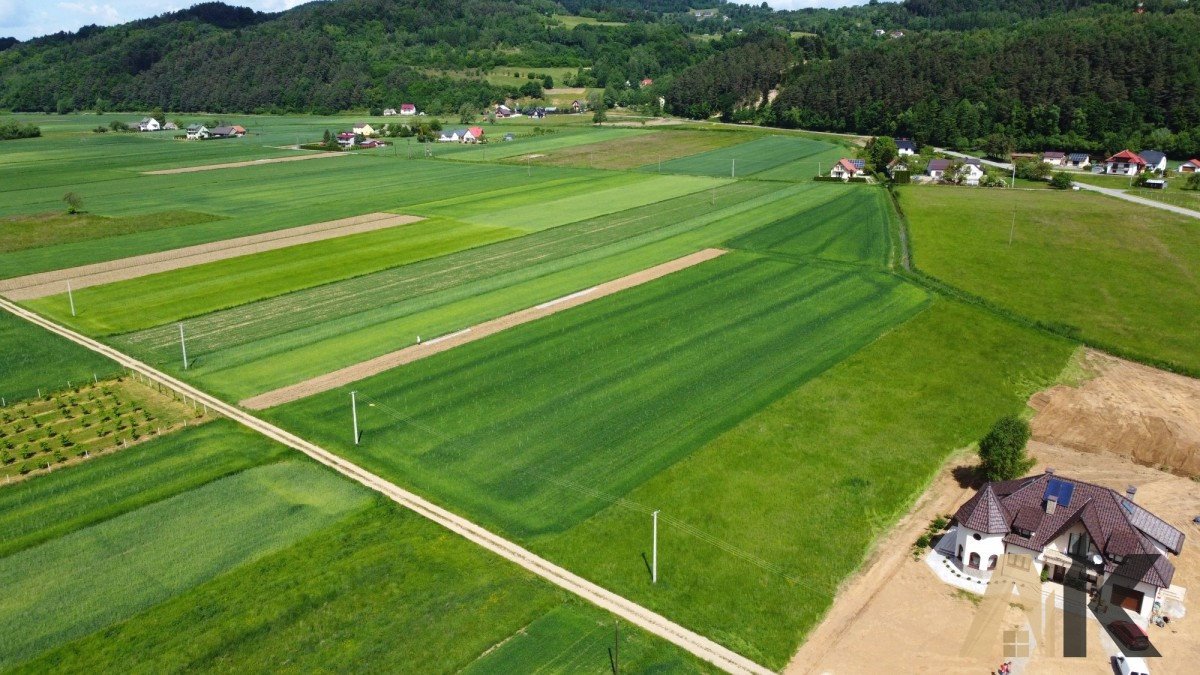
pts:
[1190, 166]
[1125, 163]
[476, 133]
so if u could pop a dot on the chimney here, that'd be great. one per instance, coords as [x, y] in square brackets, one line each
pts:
[1051, 504]
[1130, 492]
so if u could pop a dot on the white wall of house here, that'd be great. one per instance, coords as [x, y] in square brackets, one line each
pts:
[988, 548]
[904, 152]
[971, 174]
[1149, 593]
[1121, 168]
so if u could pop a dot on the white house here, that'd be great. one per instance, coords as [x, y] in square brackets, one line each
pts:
[363, 129]
[407, 109]
[845, 168]
[1190, 166]
[1054, 158]
[1155, 160]
[149, 124]
[1076, 532]
[1078, 160]
[197, 132]
[905, 147]
[971, 172]
[170, 126]
[390, 112]
[1125, 163]
[937, 168]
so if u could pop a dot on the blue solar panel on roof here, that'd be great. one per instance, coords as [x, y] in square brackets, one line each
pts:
[1061, 490]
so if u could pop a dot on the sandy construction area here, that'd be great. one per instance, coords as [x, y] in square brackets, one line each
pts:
[52, 283]
[252, 162]
[895, 614]
[416, 352]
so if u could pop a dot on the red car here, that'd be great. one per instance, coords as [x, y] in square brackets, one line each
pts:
[1130, 634]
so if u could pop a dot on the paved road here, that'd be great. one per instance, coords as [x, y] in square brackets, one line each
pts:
[652, 622]
[1111, 192]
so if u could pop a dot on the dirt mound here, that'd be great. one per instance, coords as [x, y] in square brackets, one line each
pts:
[1128, 409]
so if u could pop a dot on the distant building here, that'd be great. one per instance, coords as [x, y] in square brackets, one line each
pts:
[390, 112]
[879, 32]
[576, 106]
[1054, 158]
[1078, 160]
[846, 169]
[1125, 163]
[363, 129]
[905, 147]
[646, 82]
[1190, 166]
[228, 131]
[170, 126]
[937, 168]
[148, 124]
[346, 139]
[1155, 160]
[408, 109]
[896, 34]
[197, 132]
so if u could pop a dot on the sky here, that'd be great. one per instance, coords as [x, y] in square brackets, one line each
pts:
[24, 19]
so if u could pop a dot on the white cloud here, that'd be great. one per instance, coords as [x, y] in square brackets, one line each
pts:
[103, 14]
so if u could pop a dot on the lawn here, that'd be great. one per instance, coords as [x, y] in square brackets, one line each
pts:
[770, 157]
[630, 152]
[200, 289]
[33, 359]
[622, 387]
[65, 501]
[1117, 274]
[850, 228]
[73, 425]
[92, 578]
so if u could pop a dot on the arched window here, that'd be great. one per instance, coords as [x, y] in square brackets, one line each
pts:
[974, 563]
[992, 563]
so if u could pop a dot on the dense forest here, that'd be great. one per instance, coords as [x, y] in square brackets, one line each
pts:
[1076, 74]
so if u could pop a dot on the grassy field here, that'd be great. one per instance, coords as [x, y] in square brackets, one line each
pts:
[21, 232]
[193, 291]
[790, 158]
[65, 501]
[33, 359]
[528, 143]
[248, 350]
[73, 425]
[1113, 272]
[631, 152]
[850, 228]
[177, 544]
[670, 364]
[570, 21]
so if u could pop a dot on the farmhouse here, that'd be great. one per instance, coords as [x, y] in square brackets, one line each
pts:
[197, 132]
[346, 139]
[1054, 158]
[229, 131]
[1155, 160]
[1078, 160]
[1125, 163]
[646, 82]
[170, 126]
[1190, 166]
[148, 124]
[451, 136]
[407, 109]
[576, 106]
[390, 112]
[905, 147]
[474, 135]
[879, 32]
[1078, 532]
[844, 169]
[971, 171]
[937, 168]
[363, 129]
[366, 145]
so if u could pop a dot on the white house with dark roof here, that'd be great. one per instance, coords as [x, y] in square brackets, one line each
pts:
[905, 147]
[1155, 160]
[1054, 158]
[1077, 532]
[149, 124]
[1078, 160]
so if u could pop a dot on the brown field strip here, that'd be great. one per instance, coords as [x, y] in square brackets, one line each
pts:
[636, 151]
[252, 162]
[426, 349]
[52, 283]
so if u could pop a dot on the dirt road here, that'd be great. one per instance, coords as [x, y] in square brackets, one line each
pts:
[253, 162]
[55, 282]
[698, 645]
[415, 352]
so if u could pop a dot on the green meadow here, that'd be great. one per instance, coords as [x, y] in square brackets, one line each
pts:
[32, 359]
[1114, 273]
[789, 158]
[850, 228]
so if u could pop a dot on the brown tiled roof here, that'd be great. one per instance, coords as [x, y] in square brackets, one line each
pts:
[1116, 525]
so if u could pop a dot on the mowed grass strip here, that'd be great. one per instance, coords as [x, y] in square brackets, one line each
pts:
[65, 501]
[619, 388]
[1119, 274]
[790, 500]
[92, 578]
[384, 590]
[32, 358]
[156, 299]
[850, 228]
[745, 159]
[18, 233]
[522, 146]
[630, 152]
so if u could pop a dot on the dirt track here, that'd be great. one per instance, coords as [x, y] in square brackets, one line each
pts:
[53, 283]
[253, 162]
[1128, 409]
[415, 352]
[652, 622]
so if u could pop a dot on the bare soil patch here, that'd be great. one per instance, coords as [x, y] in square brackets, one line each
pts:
[426, 349]
[1126, 409]
[52, 283]
[640, 150]
[235, 165]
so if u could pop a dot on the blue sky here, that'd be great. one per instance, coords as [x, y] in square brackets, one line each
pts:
[24, 19]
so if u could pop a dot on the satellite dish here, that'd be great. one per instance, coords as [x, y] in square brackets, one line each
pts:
[1096, 559]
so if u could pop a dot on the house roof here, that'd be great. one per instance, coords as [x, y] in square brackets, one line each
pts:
[1126, 156]
[1053, 154]
[1077, 157]
[859, 164]
[222, 131]
[905, 144]
[239, 129]
[846, 165]
[147, 120]
[195, 127]
[477, 132]
[407, 106]
[939, 164]
[1191, 162]
[1115, 524]
[971, 161]
[1152, 156]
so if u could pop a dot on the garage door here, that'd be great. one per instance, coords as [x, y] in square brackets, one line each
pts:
[1127, 598]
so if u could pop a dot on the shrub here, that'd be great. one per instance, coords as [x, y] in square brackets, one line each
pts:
[1061, 181]
[1002, 450]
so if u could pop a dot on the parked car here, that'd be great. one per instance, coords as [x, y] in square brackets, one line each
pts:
[1130, 665]
[1130, 634]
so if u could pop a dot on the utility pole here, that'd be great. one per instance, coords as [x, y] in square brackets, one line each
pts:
[617, 648]
[733, 168]
[183, 346]
[354, 414]
[654, 553]
[71, 297]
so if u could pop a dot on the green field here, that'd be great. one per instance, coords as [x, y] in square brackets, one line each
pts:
[47, 229]
[33, 359]
[200, 289]
[633, 151]
[525, 145]
[851, 228]
[1114, 273]
[790, 158]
